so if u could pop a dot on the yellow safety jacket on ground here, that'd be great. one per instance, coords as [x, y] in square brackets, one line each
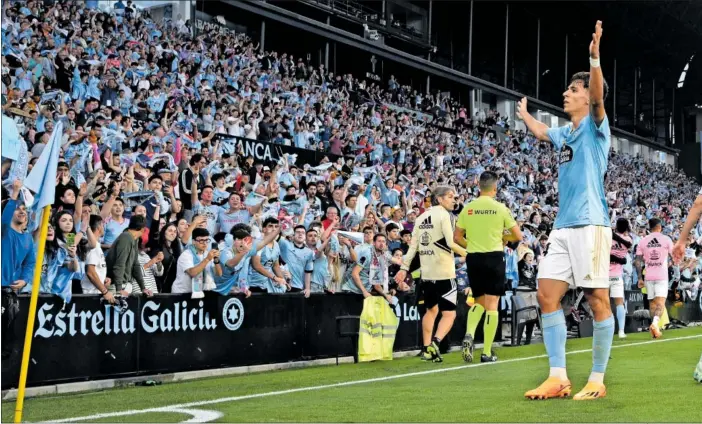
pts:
[376, 332]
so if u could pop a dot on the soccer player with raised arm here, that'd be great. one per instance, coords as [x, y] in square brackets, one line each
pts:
[693, 218]
[578, 250]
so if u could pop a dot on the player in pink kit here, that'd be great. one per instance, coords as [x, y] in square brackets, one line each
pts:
[653, 251]
[621, 243]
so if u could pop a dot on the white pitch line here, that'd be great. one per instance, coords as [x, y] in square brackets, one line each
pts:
[343, 384]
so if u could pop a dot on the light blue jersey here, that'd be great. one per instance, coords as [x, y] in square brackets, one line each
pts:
[300, 260]
[583, 163]
[320, 275]
[211, 212]
[113, 229]
[365, 257]
[234, 276]
[269, 256]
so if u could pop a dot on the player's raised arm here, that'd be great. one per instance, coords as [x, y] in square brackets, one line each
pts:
[538, 128]
[596, 85]
[692, 218]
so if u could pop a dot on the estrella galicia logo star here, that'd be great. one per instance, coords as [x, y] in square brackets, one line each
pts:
[233, 314]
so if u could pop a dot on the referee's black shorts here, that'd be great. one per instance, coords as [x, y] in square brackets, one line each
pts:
[440, 292]
[486, 273]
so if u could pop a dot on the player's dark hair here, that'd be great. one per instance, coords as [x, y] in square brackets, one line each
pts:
[653, 223]
[488, 181]
[95, 222]
[368, 229]
[240, 228]
[137, 223]
[155, 177]
[623, 226]
[270, 220]
[391, 227]
[585, 78]
[297, 227]
[199, 232]
[197, 157]
[377, 236]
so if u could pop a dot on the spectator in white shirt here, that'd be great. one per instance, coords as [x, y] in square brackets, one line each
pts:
[199, 264]
[95, 280]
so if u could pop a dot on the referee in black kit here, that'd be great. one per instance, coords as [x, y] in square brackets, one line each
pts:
[483, 226]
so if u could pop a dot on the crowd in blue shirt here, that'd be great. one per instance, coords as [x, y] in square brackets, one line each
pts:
[142, 103]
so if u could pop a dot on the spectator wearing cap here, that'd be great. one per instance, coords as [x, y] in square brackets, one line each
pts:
[65, 180]
[396, 216]
[123, 258]
[411, 218]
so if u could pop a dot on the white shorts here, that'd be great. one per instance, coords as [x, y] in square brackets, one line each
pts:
[616, 287]
[656, 288]
[579, 256]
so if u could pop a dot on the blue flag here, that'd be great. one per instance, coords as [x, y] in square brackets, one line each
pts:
[42, 180]
[11, 138]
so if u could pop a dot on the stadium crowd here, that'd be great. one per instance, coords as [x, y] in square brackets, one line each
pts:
[151, 198]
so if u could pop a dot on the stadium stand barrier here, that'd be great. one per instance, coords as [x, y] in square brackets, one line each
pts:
[89, 340]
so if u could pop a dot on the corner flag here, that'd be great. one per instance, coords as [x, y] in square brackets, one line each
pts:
[42, 181]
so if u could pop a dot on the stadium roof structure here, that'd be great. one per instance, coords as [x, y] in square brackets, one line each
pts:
[652, 42]
[660, 35]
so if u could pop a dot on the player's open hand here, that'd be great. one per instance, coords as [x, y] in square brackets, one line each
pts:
[522, 108]
[678, 252]
[400, 276]
[595, 43]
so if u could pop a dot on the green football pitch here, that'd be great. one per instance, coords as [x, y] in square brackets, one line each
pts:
[647, 381]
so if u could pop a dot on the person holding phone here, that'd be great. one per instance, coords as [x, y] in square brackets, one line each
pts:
[198, 266]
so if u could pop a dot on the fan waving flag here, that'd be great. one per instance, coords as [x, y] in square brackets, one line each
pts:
[42, 179]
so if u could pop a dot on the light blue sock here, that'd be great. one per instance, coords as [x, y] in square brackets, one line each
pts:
[621, 317]
[602, 334]
[555, 334]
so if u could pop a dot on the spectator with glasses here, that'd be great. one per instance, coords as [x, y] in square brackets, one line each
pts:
[198, 266]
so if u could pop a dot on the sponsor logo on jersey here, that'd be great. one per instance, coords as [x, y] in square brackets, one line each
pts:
[485, 212]
[425, 239]
[654, 243]
[566, 155]
[426, 224]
